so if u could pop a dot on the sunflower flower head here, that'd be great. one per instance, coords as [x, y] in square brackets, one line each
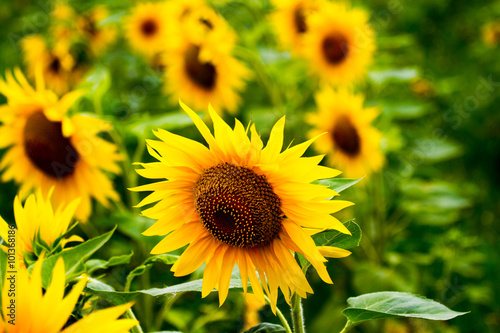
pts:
[240, 203]
[49, 148]
[352, 143]
[146, 28]
[200, 67]
[290, 21]
[47, 311]
[99, 36]
[339, 43]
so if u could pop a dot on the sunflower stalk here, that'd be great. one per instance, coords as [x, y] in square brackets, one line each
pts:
[137, 328]
[348, 326]
[281, 317]
[297, 314]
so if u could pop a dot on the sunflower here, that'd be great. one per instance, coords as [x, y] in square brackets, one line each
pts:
[39, 227]
[339, 43]
[289, 20]
[99, 36]
[239, 203]
[47, 311]
[146, 28]
[352, 143]
[50, 149]
[57, 63]
[199, 64]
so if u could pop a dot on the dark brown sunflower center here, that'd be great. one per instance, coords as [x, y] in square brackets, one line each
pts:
[237, 206]
[300, 20]
[203, 74]
[89, 26]
[346, 137]
[55, 65]
[47, 148]
[149, 28]
[335, 49]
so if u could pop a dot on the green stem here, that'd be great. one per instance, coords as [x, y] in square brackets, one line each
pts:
[281, 317]
[136, 329]
[348, 326]
[297, 314]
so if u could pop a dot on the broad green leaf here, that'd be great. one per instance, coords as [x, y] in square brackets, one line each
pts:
[391, 75]
[336, 239]
[95, 264]
[119, 297]
[107, 292]
[389, 304]
[74, 258]
[167, 259]
[430, 150]
[143, 125]
[98, 82]
[407, 110]
[187, 286]
[266, 328]
[338, 184]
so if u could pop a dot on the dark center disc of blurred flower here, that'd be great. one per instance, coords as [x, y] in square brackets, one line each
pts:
[207, 23]
[237, 206]
[204, 74]
[149, 28]
[346, 137]
[89, 26]
[47, 148]
[300, 20]
[335, 49]
[55, 65]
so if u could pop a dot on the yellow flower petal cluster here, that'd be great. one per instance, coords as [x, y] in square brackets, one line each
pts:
[352, 143]
[240, 203]
[47, 311]
[48, 148]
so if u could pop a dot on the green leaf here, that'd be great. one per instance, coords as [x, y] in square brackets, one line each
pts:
[266, 328]
[98, 82]
[389, 304]
[337, 239]
[187, 286]
[119, 297]
[74, 258]
[407, 110]
[107, 292]
[145, 124]
[167, 259]
[338, 184]
[95, 264]
[391, 75]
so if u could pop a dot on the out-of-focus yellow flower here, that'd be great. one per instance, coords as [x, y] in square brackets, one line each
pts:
[252, 306]
[199, 66]
[352, 143]
[339, 43]
[59, 68]
[47, 311]
[47, 148]
[38, 225]
[147, 28]
[491, 33]
[290, 21]
[238, 203]
[98, 36]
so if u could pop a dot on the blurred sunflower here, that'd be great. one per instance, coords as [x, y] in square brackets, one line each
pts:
[39, 227]
[339, 43]
[239, 203]
[252, 307]
[57, 63]
[352, 143]
[146, 28]
[199, 64]
[41, 310]
[62, 23]
[48, 148]
[289, 20]
[99, 36]
[491, 33]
